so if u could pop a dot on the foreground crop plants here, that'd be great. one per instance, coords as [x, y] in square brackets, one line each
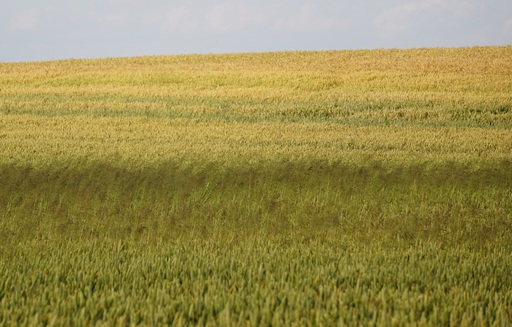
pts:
[298, 188]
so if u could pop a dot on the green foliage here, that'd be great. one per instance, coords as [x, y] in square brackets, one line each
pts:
[444, 204]
[257, 281]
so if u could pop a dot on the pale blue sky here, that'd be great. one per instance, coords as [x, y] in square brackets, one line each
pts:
[32, 30]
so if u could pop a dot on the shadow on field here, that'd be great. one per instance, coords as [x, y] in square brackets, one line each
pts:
[446, 204]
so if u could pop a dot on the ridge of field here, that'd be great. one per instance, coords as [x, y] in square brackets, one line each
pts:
[465, 86]
[425, 104]
[369, 187]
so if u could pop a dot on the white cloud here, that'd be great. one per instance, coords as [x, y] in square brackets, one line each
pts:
[234, 15]
[507, 29]
[25, 20]
[124, 2]
[310, 18]
[118, 17]
[180, 19]
[150, 19]
[406, 16]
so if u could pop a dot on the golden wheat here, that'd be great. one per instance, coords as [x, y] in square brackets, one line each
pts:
[140, 141]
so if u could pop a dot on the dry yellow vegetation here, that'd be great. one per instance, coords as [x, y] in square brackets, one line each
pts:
[138, 141]
[391, 105]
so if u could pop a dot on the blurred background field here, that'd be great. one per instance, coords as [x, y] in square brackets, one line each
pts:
[237, 177]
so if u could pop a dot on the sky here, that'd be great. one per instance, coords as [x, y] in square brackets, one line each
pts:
[35, 30]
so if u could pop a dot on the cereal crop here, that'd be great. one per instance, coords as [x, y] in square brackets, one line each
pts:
[369, 187]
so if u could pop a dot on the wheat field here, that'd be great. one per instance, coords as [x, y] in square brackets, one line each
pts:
[368, 187]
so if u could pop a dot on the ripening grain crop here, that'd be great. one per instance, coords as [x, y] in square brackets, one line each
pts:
[308, 188]
[255, 282]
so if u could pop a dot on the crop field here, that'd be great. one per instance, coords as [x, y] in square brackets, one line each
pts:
[369, 187]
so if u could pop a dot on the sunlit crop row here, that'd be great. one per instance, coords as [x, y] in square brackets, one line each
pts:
[467, 86]
[141, 141]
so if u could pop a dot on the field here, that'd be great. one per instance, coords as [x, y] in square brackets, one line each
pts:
[298, 188]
